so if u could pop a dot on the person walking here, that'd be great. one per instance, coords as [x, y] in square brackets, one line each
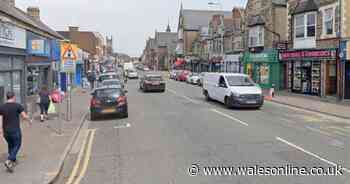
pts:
[44, 102]
[92, 79]
[10, 128]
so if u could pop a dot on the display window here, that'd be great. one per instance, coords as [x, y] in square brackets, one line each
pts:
[305, 77]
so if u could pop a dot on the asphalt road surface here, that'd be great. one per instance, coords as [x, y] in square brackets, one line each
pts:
[168, 133]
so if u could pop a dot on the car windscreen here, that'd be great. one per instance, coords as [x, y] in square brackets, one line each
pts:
[239, 81]
[110, 92]
[154, 78]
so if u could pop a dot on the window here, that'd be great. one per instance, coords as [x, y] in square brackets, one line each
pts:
[328, 21]
[299, 26]
[305, 25]
[256, 36]
[311, 25]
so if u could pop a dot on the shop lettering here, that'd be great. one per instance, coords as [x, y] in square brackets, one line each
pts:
[308, 54]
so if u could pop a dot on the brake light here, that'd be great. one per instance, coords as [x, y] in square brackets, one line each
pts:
[121, 100]
[95, 103]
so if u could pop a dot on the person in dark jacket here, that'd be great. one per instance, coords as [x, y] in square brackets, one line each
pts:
[44, 102]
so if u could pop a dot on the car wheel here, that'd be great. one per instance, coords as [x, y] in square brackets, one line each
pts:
[227, 103]
[207, 97]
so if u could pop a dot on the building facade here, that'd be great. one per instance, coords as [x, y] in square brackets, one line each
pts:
[265, 28]
[311, 62]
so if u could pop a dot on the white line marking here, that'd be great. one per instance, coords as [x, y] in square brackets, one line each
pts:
[230, 117]
[310, 153]
[183, 96]
[319, 131]
[127, 125]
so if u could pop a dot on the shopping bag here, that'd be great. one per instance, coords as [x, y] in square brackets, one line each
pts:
[52, 109]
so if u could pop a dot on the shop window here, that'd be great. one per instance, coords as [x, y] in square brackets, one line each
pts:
[264, 74]
[5, 63]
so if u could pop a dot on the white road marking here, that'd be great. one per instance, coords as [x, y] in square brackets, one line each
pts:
[319, 131]
[310, 153]
[230, 117]
[127, 125]
[183, 96]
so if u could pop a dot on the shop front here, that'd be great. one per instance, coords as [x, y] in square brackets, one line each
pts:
[232, 63]
[311, 72]
[38, 63]
[12, 56]
[216, 64]
[264, 68]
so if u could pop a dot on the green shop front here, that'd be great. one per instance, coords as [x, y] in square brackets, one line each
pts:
[264, 68]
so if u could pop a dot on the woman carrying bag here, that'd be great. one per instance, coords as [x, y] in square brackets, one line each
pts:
[44, 103]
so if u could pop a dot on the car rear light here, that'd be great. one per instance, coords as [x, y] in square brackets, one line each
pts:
[95, 103]
[121, 100]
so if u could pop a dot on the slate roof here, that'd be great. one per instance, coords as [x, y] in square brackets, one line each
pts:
[166, 39]
[256, 20]
[195, 19]
[20, 15]
[306, 6]
[280, 2]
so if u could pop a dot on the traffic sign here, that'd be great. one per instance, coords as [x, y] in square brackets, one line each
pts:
[68, 57]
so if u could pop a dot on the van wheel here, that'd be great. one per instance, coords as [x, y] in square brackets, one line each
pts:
[227, 102]
[207, 97]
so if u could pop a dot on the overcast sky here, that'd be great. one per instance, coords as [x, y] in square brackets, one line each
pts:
[130, 22]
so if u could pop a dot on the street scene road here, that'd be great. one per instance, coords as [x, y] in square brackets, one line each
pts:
[167, 133]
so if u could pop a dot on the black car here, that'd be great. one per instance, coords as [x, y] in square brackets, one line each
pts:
[108, 100]
[152, 82]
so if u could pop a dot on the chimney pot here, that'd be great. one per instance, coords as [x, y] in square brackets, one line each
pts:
[34, 12]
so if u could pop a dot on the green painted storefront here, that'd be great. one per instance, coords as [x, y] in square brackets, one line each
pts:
[264, 68]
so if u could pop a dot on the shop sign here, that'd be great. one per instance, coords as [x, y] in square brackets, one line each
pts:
[37, 47]
[344, 51]
[308, 54]
[69, 57]
[12, 36]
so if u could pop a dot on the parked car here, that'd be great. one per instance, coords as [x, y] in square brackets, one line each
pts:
[106, 76]
[193, 78]
[152, 82]
[201, 77]
[113, 82]
[183, 75]
[146, 69]
[108, 100]
[234, 90]
[132, 74]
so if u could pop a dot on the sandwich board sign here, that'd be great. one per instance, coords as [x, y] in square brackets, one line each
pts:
[69, 57]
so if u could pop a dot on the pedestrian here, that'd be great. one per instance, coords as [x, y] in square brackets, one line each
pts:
[44, 103]
[92, 79]
[10, 128]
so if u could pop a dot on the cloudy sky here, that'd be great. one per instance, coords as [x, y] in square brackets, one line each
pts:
[130, 22]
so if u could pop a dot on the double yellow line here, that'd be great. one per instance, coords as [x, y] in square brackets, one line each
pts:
[84, 157]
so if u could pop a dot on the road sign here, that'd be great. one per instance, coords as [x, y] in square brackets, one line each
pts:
[68, 57]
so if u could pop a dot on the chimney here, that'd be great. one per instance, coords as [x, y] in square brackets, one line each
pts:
[9, 2]
[73, 28]
[34, 12]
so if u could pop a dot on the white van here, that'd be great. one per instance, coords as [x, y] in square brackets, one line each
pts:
[232, 89]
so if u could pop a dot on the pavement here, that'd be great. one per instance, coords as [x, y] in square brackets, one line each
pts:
[168, 133]
[45, 146]
[313, 103]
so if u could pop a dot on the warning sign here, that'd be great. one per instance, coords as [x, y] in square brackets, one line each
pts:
[68, 57]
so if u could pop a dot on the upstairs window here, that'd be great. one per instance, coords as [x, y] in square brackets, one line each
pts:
[328, 20]
[256, 36]
[305, 25]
